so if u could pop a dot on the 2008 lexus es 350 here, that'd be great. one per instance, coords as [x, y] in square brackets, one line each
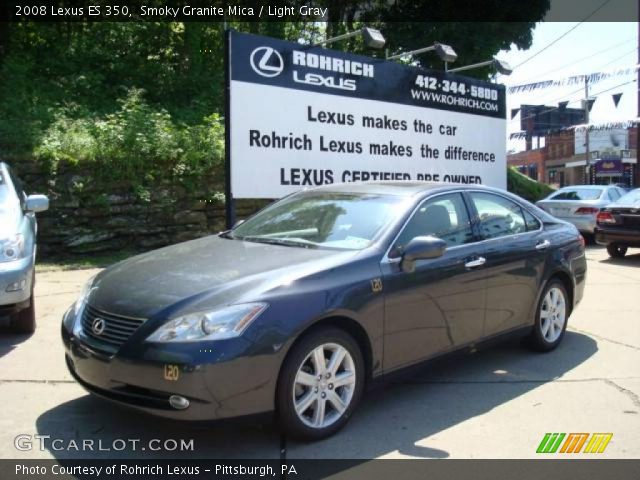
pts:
[301, 306]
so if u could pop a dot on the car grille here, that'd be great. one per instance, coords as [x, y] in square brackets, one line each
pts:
[117, 329]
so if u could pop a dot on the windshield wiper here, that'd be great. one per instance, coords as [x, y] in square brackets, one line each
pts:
[299, 242]
[228, 234]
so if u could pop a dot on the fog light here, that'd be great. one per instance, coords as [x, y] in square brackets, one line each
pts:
[16, 286]
[178, 402]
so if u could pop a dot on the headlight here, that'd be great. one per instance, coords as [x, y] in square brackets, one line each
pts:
[11, 248]
[226, 322]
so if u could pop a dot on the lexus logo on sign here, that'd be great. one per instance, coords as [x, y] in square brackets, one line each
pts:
[267, 62]
[98, 326]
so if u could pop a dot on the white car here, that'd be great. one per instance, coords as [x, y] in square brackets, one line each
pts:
[580, 204]
[17, 251]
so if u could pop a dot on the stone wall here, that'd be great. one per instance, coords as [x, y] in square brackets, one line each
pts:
[87, 216]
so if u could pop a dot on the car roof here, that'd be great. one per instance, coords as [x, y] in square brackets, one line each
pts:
[593, 187]
[404, 188]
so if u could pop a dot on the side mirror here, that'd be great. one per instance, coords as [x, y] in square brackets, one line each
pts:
[421, 248]
[37, 203]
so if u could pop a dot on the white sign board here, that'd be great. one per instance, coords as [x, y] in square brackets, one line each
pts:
[301, 117]
[602, 141]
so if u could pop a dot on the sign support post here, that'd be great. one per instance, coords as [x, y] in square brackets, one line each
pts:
[229, 202]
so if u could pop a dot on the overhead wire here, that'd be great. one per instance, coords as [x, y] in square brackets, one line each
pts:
[573, 101]
[564, 34]
[555, 70]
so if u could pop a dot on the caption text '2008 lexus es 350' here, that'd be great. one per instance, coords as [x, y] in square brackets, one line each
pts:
[297, 309]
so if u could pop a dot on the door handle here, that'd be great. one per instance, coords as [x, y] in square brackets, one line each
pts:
[478, 262]
[543, 245]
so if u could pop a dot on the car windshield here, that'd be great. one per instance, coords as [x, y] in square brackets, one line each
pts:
[349, 221]
[4, 192]
[631, 198]
[578, 194]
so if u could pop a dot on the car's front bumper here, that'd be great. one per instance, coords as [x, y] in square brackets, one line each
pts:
[619, 236]
[224, 380]
[20, 273]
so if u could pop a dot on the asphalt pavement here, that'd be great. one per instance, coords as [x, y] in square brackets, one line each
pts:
[496, 403]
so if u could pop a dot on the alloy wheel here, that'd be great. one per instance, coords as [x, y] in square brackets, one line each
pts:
[324, 385]
[553, 314]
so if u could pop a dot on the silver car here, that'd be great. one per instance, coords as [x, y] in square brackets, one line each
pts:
[17, 251]
[580, 204]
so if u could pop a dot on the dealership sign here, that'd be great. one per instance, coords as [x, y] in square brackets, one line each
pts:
[303, 116]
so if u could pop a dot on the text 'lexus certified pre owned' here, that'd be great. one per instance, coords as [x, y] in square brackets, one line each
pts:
[298, 308]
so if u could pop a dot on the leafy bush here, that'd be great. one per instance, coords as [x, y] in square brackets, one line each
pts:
[526, 187]
[136, 143]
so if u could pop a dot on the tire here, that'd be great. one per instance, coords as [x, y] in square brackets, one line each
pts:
[552, 315]
[25, 320]
[309, 421]
[616, 251]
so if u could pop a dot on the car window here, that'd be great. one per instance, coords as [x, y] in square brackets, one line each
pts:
[4, 192]
[530, 221]
[17, 185]
[613, 194]
[578, 194]
[498, 216]
[630, 198]
[444, 216]
[349, 221]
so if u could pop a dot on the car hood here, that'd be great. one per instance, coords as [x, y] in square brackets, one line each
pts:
[204, 273]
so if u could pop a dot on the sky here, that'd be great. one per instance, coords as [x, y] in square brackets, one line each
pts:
[589, 47]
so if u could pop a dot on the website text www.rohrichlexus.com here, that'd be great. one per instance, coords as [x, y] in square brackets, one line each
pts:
[28, 442]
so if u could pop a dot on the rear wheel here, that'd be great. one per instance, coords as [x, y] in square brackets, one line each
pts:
[551, 317]
[616, 251]
[320, 384]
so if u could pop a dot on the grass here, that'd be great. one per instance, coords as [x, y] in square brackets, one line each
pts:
[82, 262]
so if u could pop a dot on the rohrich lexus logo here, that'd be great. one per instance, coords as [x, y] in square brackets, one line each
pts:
[267, 62]
[98, 326]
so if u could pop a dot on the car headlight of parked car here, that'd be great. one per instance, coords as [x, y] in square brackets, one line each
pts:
[11, 248]
[227, 322]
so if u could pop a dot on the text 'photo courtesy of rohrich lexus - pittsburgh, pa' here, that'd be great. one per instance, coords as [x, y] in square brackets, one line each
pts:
[299, 308]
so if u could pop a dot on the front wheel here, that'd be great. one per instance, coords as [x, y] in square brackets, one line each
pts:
[551, 317]
[320, 384]
[25, 320]
[616, 251]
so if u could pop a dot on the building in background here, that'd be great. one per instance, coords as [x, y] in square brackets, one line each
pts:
[562, 160]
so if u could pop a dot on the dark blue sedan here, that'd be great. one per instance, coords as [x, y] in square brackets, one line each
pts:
[301, 306]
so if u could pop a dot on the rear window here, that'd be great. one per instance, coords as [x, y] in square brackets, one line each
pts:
[578, 194]
[631, 198]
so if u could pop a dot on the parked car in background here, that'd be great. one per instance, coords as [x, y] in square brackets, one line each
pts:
[580, 204]
[17, 251]
[298, 308]
[619, 224]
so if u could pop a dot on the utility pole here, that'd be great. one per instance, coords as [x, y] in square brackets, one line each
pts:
[586, 132]
[636, 167]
